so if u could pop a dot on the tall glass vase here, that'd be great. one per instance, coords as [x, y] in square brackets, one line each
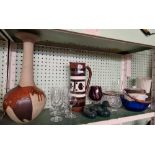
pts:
[24, 102]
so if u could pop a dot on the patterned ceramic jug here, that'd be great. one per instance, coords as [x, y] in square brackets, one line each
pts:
[78, 85]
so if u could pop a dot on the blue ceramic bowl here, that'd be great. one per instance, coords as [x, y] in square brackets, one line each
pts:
[133, 105]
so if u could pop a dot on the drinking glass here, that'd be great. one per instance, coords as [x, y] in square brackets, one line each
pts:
[56, 103]
[68, 103]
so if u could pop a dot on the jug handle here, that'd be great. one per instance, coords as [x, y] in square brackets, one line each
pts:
[89, 77]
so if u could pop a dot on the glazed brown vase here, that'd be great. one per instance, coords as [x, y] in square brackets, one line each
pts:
[24, 102]
[78, 85]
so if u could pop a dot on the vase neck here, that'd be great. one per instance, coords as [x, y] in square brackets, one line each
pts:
[26, 78]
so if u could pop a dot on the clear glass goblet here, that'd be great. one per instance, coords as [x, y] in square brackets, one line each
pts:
[68, 103]
[56, 103]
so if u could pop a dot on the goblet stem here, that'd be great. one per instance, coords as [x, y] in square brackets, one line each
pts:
[55, 112]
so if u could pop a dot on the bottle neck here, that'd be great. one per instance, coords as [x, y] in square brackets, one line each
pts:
[26, 78]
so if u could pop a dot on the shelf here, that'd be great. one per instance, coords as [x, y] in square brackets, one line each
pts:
[118, 117]
[70, 39]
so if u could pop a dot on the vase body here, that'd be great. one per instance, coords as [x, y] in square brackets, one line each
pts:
[79, 85]
[24, 102]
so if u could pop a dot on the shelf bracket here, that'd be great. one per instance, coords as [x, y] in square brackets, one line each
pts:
[12, 66]
[125, 70]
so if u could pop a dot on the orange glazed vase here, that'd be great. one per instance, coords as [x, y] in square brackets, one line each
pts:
[24, 102]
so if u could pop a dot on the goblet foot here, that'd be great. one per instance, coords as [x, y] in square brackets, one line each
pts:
[70, 115]
[56, 119]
